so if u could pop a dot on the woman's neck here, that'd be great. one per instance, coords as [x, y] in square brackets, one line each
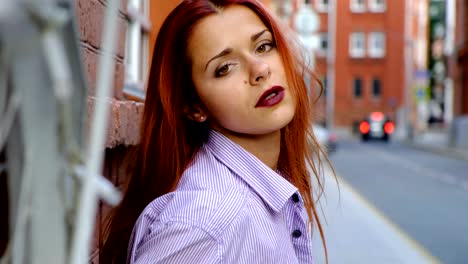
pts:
[265, 147]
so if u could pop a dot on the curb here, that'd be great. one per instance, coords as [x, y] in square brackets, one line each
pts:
[347, 213]
[449, 152]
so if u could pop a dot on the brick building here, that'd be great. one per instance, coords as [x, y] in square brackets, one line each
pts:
[369, 58]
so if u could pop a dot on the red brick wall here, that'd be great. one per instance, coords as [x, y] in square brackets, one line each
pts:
[390, 69]
[124, 114]
[90, 15]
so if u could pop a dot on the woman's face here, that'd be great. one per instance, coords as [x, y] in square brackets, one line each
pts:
[238, 74]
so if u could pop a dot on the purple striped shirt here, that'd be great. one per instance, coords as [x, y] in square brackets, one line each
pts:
[229, 207]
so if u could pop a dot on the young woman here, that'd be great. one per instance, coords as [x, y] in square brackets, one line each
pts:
[222, 171]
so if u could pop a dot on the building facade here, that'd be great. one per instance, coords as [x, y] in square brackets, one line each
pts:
[369, 57]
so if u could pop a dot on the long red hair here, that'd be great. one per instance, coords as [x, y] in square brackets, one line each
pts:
[169, 140]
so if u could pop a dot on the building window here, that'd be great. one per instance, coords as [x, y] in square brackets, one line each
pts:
[377, 6]
[357, 45]
[321, 6]
[325, 85]
[357, 87]
[376, 44]
[137, 49]
[323, 45]
[358, 6]
[376, 88]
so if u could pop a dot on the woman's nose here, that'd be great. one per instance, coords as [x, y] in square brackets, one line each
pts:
[260, 71]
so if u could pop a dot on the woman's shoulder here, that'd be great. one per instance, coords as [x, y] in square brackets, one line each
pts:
[209, 197]
[199, 205]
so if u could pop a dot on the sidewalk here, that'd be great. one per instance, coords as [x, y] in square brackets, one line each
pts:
[358, 233]
[437, 142]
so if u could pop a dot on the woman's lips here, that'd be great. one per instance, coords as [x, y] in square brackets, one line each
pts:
[271, 97]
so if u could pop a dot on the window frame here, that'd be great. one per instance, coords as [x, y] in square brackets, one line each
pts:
[356, 7]
[321, 6]
[373, 50]
[361, 87]
[321, 52]
[354, 38]
[325, 85]
[379, 80]
[137, 49]
[375, 7]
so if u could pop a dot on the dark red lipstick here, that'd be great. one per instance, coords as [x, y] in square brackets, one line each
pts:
[271, 97]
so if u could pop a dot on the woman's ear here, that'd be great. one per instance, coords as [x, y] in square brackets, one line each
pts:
[195, 113]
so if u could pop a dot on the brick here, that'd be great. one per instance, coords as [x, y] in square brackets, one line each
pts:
[90, 60]
[121, 36]
[124, 120]
[123, 6]
[90, 15]
[119, 78]
[115, 131]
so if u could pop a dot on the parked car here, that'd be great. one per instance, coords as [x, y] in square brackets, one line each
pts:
[376, 125]
[327, 139]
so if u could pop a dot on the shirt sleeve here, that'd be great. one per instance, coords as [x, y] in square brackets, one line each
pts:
[178, 243]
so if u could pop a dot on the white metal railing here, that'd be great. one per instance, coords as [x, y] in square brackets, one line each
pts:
[54, 175]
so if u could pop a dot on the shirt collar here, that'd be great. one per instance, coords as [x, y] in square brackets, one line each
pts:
[269, 185]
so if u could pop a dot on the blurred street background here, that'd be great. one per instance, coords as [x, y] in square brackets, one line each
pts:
[396, 203]
[395, 117]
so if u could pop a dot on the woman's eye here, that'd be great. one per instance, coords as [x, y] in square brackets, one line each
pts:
[265, 47]
[223, 70]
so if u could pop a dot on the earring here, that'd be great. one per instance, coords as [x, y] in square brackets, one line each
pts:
[202, 118]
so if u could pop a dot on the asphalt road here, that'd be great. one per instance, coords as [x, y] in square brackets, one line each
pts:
[424, 194]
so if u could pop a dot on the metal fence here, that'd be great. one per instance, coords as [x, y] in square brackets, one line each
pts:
[52, 162]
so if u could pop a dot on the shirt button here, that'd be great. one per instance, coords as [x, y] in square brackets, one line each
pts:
[296, 233]
[295, 197]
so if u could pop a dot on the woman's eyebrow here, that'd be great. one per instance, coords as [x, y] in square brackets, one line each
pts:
[257, 35]
[229, 50]
[222, 53]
